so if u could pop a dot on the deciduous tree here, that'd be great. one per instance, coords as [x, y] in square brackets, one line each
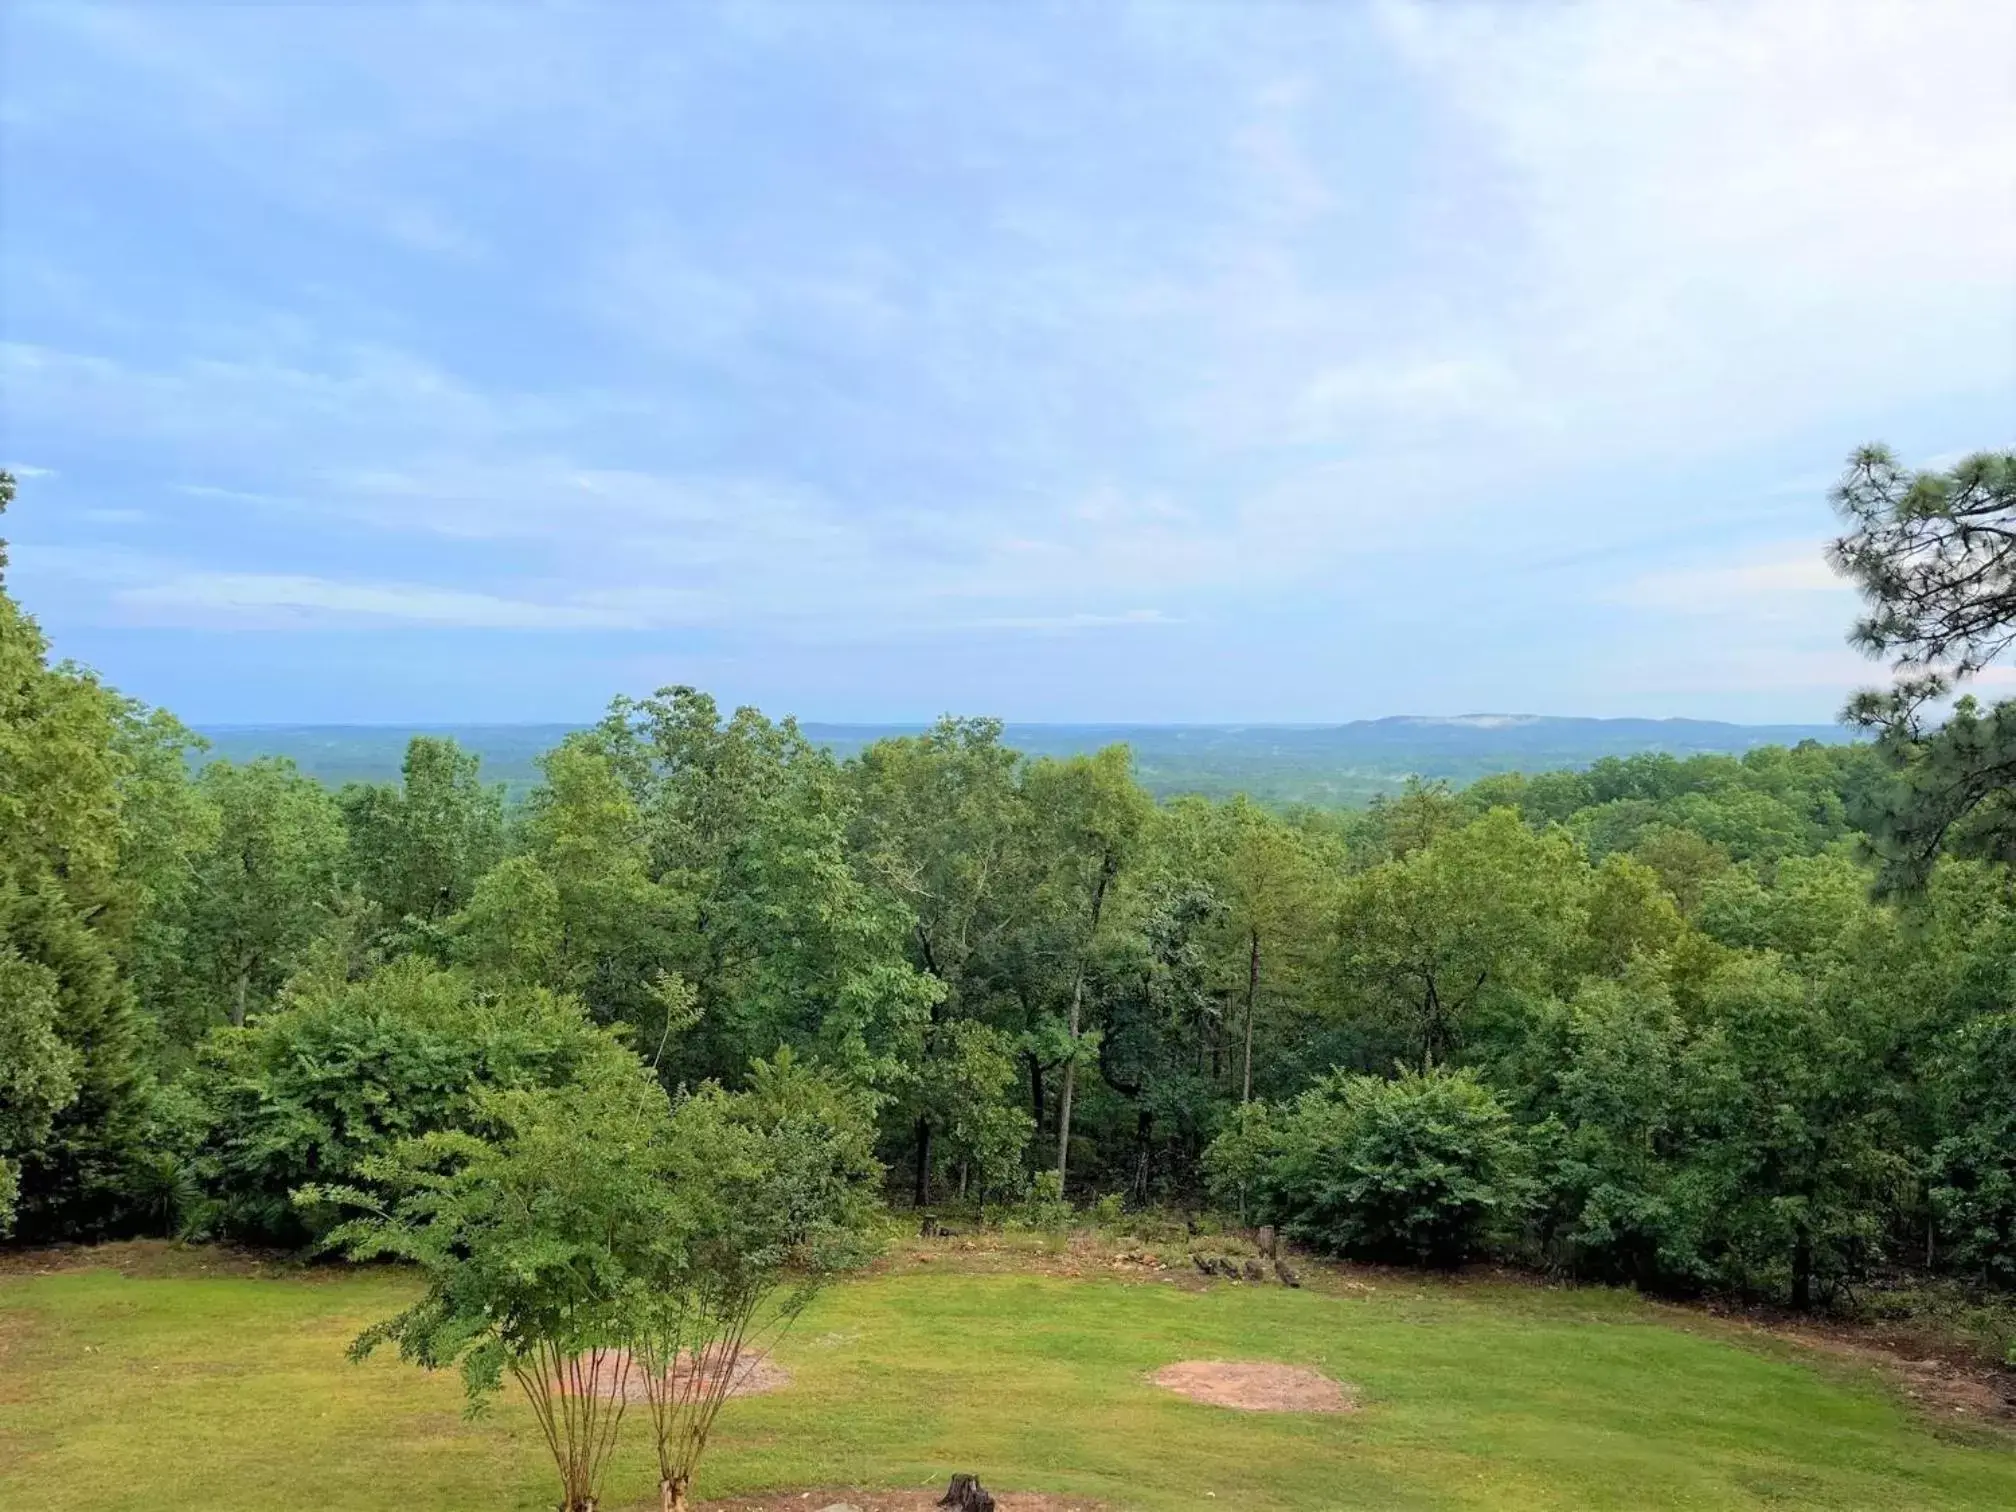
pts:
[266, 887]
[416, 849]
[1089, 812]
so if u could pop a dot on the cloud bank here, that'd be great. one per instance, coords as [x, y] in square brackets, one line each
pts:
[1177, 362]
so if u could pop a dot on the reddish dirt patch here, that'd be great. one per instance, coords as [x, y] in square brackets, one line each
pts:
[892, 1501]
[1935, 1384]
[161, 1259]
[1255, 1386]
[754, 1376]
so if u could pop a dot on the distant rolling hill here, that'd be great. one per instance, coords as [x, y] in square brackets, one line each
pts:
[1321, 764]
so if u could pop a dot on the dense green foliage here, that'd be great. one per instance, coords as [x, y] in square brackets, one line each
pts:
[312, 1091]
[1652, 1020]
[73, 880]
[1423, 1168]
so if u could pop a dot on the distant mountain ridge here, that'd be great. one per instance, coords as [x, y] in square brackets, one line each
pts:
[1278, 763]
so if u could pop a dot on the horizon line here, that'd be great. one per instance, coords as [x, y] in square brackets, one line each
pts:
[1474, 719]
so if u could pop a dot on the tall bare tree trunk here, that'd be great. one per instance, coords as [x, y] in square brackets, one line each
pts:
[238, 999]
[1252, 991]
[1144, 1128]
[922, 1195]
[1077, 1014]
[1070, 1078]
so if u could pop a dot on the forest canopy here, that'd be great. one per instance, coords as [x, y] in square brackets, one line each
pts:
[1711, 1023]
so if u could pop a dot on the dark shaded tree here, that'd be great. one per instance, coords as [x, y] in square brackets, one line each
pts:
[74, 1095]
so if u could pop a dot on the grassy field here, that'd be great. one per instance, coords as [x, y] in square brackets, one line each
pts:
[184, 1379]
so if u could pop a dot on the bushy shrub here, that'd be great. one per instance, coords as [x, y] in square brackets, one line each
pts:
[1425, 1168]
[342, 1072]
[1240, 1161]
[1044, 1205]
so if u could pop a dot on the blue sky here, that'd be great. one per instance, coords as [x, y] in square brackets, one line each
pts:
[1116, 362]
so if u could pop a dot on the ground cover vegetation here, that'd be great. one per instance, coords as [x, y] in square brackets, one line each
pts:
[1734, 1025]
[188, 1378]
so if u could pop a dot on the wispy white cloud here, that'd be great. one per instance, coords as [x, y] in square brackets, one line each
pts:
[210, 491]
[1816, 679]
[133, 587]
[1784, 579]
[1354, 397]
[278, 600]
[327, 393]
[1058, 623]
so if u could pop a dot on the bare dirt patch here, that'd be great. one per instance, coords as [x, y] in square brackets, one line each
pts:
[161, 1260]
[997, 1252]
[1939, 1385]
[1255, 1386]
[892, 1501]
[1159, 1258]
[754, 1376]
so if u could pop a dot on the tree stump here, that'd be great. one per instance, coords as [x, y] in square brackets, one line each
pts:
[1265, 1240]
[966, 1494]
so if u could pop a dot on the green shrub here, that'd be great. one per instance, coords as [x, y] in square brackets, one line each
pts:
[1044, 1206]
[1238, 1163]
[1425, 1169]
[305, 1094]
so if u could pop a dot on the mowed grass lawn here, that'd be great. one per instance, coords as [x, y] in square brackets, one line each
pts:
[192, 1383]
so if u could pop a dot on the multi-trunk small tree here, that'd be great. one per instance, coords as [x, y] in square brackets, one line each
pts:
[597, 1236]
[538, 1246]
[770, 1190]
